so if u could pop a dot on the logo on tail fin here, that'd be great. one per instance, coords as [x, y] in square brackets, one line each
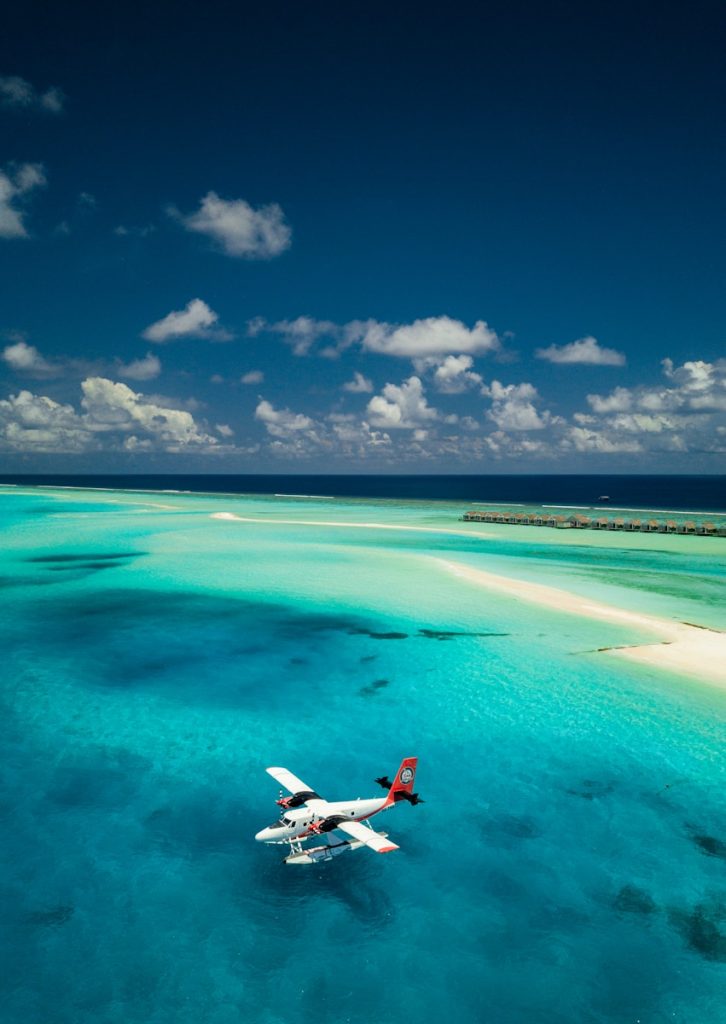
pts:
[406, 776]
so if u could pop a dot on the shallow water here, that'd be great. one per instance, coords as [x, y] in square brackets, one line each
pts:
[568, 863]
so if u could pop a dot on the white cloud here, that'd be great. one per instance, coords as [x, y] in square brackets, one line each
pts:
[513, 407]
[585, 350]
[113, 406]
[355, 437]
[224, 430]
[619, 400]
[684, 415]
[27, 360]
[645, 423]
[432, 336]
[113, 418]
[14, 187]
[34, 423]
[282, 422]
[140, 369]
[252, 377]
[401, 407]
[238, 228]
[455, 375]
[301, 333]
[18, 93]
[514, 446]
[360, 385]
[196, 320]
[697, 386]
[586, 440]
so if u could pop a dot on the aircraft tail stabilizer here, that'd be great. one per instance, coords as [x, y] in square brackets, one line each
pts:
[402, 787]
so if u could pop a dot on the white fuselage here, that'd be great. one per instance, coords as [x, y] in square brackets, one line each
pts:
[294, 824]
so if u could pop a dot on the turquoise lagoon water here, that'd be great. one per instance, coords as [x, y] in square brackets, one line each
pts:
[569, 863]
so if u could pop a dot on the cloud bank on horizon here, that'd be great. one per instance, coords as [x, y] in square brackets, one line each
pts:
[338, 356]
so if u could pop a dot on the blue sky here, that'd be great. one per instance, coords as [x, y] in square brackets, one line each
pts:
[488, 238]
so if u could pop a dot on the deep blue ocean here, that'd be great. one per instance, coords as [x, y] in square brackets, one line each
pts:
[706, 493]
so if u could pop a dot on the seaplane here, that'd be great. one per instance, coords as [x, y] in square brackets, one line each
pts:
[306, 816]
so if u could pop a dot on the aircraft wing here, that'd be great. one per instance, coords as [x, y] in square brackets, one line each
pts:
[290, 782]
[375, 840]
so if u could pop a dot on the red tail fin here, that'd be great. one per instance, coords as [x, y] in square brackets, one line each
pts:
[405, 778]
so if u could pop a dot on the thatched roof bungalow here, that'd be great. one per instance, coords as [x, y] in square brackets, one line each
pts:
[559, 522]
[580, 522]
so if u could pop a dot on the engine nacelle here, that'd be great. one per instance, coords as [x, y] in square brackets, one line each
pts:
[297, 799]
[329, 823]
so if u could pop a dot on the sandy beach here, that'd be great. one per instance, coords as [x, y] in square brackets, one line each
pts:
[339, 524]
[681, 647]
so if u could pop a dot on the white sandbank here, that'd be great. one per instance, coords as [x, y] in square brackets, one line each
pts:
[344, 525]
[683, 648]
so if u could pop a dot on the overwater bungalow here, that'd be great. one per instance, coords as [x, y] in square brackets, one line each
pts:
[580, 522]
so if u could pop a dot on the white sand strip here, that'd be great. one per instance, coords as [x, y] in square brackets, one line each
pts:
[683, 648]
[344, 525]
